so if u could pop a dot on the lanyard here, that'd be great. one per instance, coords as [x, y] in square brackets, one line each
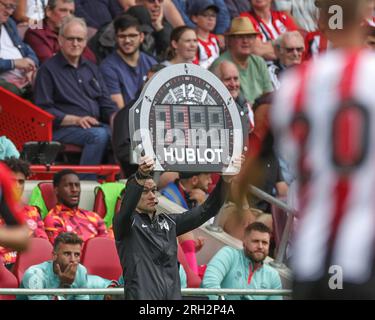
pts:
[252, 271]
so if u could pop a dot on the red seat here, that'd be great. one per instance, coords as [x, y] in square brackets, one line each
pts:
[99, 204]
[193, 280]
[40, 250]
[48, 194]
[99, 256]
[7, 280]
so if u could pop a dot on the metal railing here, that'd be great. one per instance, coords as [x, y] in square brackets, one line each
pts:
[120, 291]
[278, 262]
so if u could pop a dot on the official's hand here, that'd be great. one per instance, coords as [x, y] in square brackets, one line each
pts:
[237, 163]
[69, 274]
[146, 165]
[87, 122]
[198, 195]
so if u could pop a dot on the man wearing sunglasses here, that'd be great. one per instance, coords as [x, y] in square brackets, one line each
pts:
[289, 48]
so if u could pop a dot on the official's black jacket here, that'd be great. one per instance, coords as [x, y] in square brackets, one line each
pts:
[148, 248]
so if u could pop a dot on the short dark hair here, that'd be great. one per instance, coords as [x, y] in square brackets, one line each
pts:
[59, 175]
[176, 34]
[257, 226]
[53, 3]
[66, 238]
[18, 165]
[126, 21]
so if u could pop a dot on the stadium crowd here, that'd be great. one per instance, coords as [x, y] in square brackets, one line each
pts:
[86, 62]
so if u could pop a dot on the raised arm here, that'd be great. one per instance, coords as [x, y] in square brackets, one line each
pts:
[122, 221]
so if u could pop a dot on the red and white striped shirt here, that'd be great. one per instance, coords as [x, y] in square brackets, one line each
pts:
[271, 30]
[208, 51]
[328, 133]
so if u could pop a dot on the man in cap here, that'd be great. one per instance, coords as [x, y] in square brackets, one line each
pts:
[254, 76]
[203, 14]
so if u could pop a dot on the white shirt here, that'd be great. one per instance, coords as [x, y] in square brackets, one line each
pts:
[7, 48]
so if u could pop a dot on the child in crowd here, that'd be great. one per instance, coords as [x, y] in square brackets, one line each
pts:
[203, 14]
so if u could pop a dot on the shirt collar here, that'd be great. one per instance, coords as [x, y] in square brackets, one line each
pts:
[63, 208]
[65, 63]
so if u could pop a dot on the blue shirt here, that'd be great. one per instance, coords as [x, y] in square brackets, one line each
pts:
[41, 276]
[222, 21]
[122, 78]
[97, 12]
[230, 269]
[61, 89]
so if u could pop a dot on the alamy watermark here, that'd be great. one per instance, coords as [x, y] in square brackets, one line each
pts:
[336, 280]
[188, 146]
[336, 21]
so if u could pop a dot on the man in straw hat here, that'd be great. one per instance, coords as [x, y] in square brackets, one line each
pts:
[254, 77]
[324, 117]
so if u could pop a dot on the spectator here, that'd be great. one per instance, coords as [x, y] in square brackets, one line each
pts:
[244, 269]
[155, 40]
[63, 271]
[171, 13]
[289, 51]
[121, 136]
[305, 14]
[44, 41]
[66, 216]
[270, 24]
[72, 89]
[228, 73]
[124, 71]
[137, 229]
[21, 171]
[182, 47]
[97, 13]
[204, 13]
[254, 77]
[190, 190]
[235, 7]
[30, 12]
[7, 149]
[16, 237]
[160, 28]
[18, 62]
[223, 18]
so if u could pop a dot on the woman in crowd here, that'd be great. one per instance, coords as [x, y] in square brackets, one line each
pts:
[183, 46]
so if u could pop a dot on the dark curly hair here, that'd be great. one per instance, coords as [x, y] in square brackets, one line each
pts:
[18, 165]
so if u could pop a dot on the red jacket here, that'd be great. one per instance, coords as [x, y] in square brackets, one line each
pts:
[45, 43]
